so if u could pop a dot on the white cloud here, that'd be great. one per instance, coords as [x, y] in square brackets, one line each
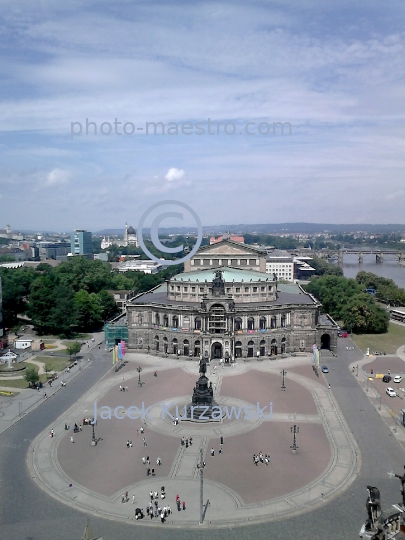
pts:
[57, 176]
[174, 174]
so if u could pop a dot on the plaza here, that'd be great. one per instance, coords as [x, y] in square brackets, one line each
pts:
[93, 478]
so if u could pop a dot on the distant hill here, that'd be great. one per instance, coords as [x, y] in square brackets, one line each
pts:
[271, 228]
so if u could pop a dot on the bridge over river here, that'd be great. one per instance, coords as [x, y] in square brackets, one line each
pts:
[338, 254]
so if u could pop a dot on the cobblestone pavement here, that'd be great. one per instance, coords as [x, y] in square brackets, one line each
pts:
[27, 512]
[93, 478]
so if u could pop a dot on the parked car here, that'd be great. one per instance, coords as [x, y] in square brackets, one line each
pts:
[397, 378]
[325, 369]
[387, 378]
[391, 392]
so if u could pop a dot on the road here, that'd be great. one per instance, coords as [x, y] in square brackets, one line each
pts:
[27, 513]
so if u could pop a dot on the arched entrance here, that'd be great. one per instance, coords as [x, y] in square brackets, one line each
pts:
[250, 349]
[216, 350]
[325, 341]
[238, 349]
[273, 347]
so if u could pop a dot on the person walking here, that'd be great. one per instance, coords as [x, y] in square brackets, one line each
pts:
[212, 452]
[144, 442]
[133, 499]
[52, 432]
[71, 439]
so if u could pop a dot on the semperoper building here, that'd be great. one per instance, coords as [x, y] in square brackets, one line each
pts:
[226, 306]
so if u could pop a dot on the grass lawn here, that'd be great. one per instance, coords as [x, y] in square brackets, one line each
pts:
[389, 342]
[56, 363]
[19, 383]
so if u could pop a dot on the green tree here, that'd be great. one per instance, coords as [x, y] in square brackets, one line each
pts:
[88, 310]
[47, 369]
[107, 304]
[73, 349]
[31, 376]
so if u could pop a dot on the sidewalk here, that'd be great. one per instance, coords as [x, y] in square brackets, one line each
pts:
[12, 409]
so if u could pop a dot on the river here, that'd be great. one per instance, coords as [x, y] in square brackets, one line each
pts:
[390, 268]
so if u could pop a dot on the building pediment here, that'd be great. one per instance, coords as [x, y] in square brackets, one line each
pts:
[227, 247]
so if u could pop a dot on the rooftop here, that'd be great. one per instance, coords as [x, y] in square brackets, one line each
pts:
[229, 274]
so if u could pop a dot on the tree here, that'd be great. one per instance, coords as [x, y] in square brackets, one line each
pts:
[31, 376]
[88, 311]
[107, 304]
[47, 369]
[73, 349]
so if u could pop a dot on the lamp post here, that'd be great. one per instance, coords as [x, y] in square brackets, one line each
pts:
[139, 369]
[200, 467]
[294, 430]
[93, 436]
[283, 374]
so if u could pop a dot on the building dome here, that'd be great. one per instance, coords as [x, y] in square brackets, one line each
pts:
[131, 230]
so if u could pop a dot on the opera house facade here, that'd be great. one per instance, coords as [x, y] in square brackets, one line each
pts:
[224, 306]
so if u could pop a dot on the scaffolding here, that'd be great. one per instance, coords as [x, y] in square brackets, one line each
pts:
[116, 331]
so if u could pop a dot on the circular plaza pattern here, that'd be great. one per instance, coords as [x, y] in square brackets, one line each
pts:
[258, 418]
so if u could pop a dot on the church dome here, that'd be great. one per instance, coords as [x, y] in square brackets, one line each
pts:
[131, 230]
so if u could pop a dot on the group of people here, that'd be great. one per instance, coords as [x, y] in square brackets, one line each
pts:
[149, 471]
[261, 458]
[186, 441]
[129, 444]
[123, 388]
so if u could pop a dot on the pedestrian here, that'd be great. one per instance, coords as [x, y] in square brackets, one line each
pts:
[184, 505]
[52, 432]
[151, 495]
[153, 472]
[156, 496]
[221, 440]
[144, 442]
[158, 461]
[186, 443]
[71, 439]
[329, 386]
[212, 452]
[120, 388]
[127, 444]
[147, 471]
[141, 430]
[144, 460]
[148, 460]
[126, 389]
[44, 395]
[133, 499]
[130, 444]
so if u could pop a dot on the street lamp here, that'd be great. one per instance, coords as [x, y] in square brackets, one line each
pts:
[283, 374]
[93, 436]
[200, 467]
[139, 369]
[294, 430]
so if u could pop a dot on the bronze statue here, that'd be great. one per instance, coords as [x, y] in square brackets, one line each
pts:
[402, 478]
[373, 508]
[203, 367]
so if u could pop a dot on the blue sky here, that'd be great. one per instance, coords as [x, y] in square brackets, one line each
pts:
[335, 72]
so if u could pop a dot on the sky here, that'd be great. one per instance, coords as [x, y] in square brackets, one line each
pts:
[219, 77]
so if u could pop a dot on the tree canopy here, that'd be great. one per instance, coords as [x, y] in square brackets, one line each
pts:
[345, 299]
[73, 297]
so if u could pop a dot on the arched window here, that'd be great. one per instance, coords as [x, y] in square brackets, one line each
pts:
[283, 345]
[251, 323]
[238, 324]
[156, 343]
[273, 322]
[186, 347]
[197, 323]
[165, 321]
[250, 350]
[283, 320]
[197, 348]
[238, 349]
[262, 348]
[165, 344]
[175, 345]
[273, 347]
[262, 323]
[157, 319]
[175, 321]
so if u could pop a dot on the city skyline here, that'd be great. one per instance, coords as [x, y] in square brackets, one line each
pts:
[236, 71]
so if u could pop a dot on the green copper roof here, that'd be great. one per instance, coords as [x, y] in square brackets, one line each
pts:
[228, 274]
